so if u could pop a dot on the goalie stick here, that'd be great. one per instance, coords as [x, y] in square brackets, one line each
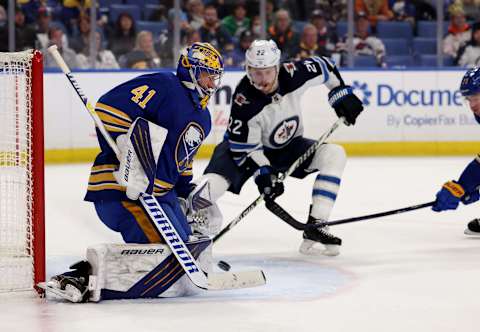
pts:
[310, 151]
[213, 281]
[285, 216]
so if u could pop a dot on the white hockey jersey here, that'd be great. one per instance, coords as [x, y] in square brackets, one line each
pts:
[259, 121]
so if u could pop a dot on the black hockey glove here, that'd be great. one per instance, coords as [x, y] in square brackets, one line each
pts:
[345, 103]
[265, 178]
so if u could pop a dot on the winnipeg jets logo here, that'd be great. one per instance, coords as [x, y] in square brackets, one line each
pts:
[187, 145]
[240, 99]
[284, 131]
[290, 68]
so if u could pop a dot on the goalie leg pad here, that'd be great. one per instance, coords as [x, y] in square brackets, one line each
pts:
[130, 271]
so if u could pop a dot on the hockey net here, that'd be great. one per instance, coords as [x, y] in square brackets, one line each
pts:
[22, 236]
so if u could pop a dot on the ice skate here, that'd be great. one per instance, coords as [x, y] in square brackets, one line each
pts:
[72, 285]
[473, 228]
[311, 237]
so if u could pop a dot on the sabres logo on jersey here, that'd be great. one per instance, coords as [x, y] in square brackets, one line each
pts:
[284, 131]
[187, 145]
[290, 68]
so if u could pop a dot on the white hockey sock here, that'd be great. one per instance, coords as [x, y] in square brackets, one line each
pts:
[324, 194]
[330, 161]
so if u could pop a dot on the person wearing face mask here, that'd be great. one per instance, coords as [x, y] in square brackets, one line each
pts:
[466, 188]
[265, 135]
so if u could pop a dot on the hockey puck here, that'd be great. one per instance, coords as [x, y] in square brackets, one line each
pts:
[223, 265]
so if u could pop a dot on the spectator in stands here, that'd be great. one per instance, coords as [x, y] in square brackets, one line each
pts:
[137, 60]
[43, 25]
[30, 9]
[24, 33]
[80, 42]
[192, 36]
[333, 10]
[104, 58]
[308, 45]
[327, 37]
[158, 15]
[122, 38]
[471, 9]
[469, 54]
[424, 11]
[376, 10]
[213, 32]
[236, 57]
[70, 14]
[223, 7]
[283, 34]
[55, 37]
[256, 27]
[164, 45]
[144, 44]
[459, 32]
[363, 42]
[238, 22]
[195, 13]
[404, 10]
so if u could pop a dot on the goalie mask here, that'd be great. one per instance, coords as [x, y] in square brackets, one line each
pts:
[262, 64]
[200, 67]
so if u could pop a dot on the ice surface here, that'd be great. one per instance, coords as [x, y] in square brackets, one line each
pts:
[409, 272]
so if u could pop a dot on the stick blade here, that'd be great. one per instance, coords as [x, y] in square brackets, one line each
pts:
[236, 280]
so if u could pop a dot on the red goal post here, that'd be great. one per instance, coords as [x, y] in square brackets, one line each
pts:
[22, 208]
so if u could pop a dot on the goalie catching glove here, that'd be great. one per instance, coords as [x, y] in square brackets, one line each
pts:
[345, 103]
[139, 149]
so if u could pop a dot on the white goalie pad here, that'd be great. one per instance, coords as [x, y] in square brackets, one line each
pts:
[131, 173]
[134, 271]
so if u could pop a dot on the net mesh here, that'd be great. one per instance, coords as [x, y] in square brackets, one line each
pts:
[16, 182]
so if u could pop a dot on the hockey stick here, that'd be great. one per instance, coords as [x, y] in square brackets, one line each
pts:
[310, 151]
[160, 219]
[285, 216]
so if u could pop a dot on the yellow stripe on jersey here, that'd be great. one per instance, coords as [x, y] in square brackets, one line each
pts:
[106, 186]
[102, 177]
[115, 129]
[113, 111]
[143, 221]
[187, 173]
[106, 167]
[106, 117]
[163, 184]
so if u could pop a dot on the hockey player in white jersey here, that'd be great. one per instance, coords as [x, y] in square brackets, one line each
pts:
[265, 135]
[466, 189]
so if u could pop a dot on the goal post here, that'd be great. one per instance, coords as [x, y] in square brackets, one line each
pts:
[22, 208]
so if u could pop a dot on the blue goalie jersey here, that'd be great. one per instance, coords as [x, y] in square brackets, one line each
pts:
[162, 99]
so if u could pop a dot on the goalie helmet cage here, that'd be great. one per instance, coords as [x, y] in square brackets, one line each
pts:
[22, 211]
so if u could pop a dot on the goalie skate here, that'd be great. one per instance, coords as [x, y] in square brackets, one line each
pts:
[69, 288]
[313, 238]
[473, 228]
